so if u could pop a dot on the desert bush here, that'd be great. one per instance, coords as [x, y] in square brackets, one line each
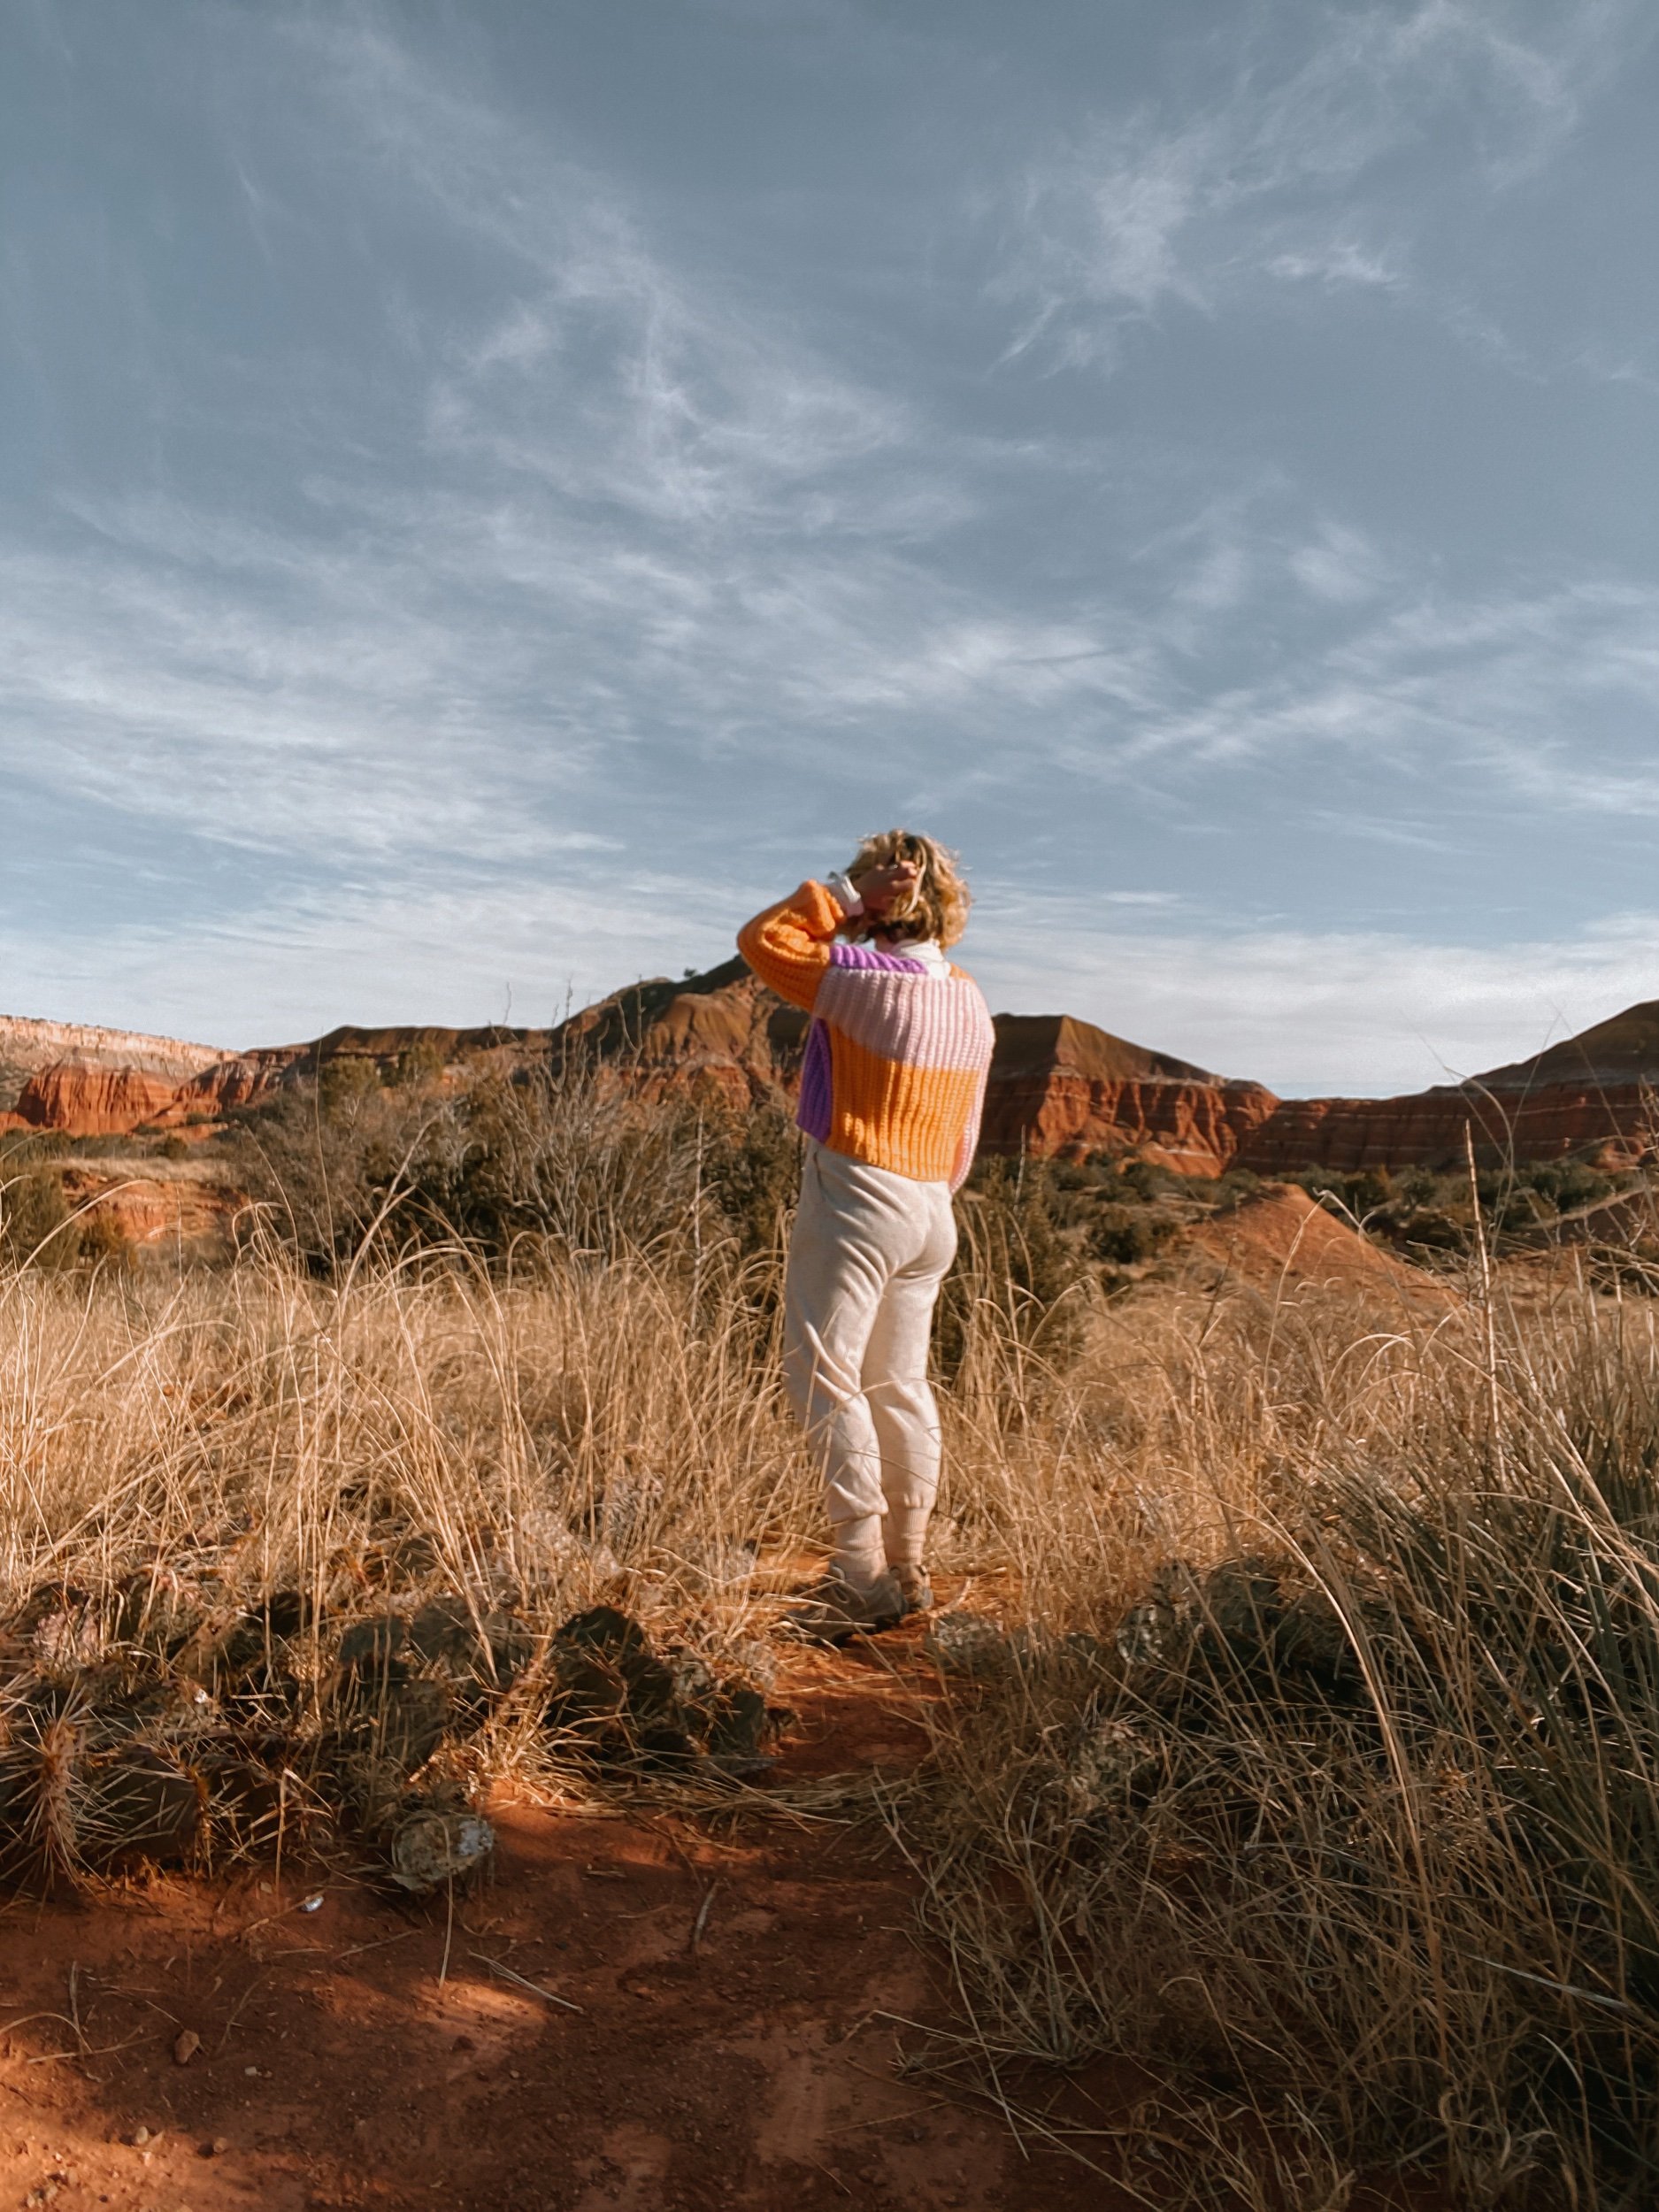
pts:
[36, 1225]
[100, 1240]
[1011, 1306]
[1122, 1236]
[1434, 1211]
[569, 1162]
[1567, 1184]
[287, 1475]
[751, 1165]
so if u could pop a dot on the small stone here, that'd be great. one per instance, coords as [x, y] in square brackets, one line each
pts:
[970, 1644]
[139, 2137]
[464, 2043]
[252, 2072]
[430, 1848]
[186, 2044]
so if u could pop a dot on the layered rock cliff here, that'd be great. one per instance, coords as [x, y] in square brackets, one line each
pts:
[91, 1101]
[1621, 1052]
[1059, 1087]
[1614, 1126]
[88, 1081]
[1593, 1095]
[179, 1208]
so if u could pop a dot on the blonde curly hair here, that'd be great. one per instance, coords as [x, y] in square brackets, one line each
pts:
[937, 907]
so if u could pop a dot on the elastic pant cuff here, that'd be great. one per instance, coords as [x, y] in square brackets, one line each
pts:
[904, 1534]
[860, 1560]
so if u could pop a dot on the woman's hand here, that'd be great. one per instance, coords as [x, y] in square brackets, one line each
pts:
[883, 887]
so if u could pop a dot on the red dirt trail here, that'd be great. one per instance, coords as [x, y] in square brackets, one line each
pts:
[747, 2065]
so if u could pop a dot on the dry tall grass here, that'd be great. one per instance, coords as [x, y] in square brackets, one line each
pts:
[1348, 1828]
[1325, 1782]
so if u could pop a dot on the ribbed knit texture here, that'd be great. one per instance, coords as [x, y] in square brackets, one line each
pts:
[896, 1058]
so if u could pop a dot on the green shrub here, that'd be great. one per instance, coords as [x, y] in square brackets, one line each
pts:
[101, 1241]
[35, 1219]
[1121, 1236]
[1357, 1195]
[753, 1166]
[346, 1082]
[1434, 1211]
[420, 1066]
[1019, 1279]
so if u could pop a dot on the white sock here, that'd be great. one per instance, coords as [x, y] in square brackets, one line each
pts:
[904, 1532]
[859, 1560]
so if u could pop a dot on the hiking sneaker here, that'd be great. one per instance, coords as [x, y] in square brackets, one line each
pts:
[915, 1590]
[832, 1610]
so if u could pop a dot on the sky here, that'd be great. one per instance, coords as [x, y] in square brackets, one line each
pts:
[493, 493]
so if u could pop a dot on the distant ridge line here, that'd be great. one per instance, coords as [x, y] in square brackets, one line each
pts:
[1059, 1086]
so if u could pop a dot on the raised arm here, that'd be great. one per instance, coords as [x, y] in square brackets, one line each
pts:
[789, 946]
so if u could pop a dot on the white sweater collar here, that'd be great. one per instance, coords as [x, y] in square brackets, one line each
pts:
[916, 949]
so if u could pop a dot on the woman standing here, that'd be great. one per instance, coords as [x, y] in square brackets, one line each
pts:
[891, 1093]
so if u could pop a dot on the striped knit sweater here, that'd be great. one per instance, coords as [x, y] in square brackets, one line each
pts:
[897, 1057]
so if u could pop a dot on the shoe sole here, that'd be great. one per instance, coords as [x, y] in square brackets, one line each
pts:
[834, 1634]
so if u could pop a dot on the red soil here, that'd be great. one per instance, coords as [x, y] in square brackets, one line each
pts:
[750, 2065]
[1282, 1241]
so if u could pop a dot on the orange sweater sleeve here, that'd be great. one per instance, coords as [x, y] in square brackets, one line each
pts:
[789, 946]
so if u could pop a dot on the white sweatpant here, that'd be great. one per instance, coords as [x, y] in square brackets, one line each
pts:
[867, 1254]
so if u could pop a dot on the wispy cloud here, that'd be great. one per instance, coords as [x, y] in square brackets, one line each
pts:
[1339, 564]
[1265, 172]
[1338, 262]
[1309, 1012]
[618, 507]
[1547, 696]
[643, 506]
[496, 571]
[608, 375]
[629, 511]
[529, 949]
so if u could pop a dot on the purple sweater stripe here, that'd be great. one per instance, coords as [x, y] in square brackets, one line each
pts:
[812, 1114]
[867, 956]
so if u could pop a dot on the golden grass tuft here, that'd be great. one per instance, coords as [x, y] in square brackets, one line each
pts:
[1343, 1823]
